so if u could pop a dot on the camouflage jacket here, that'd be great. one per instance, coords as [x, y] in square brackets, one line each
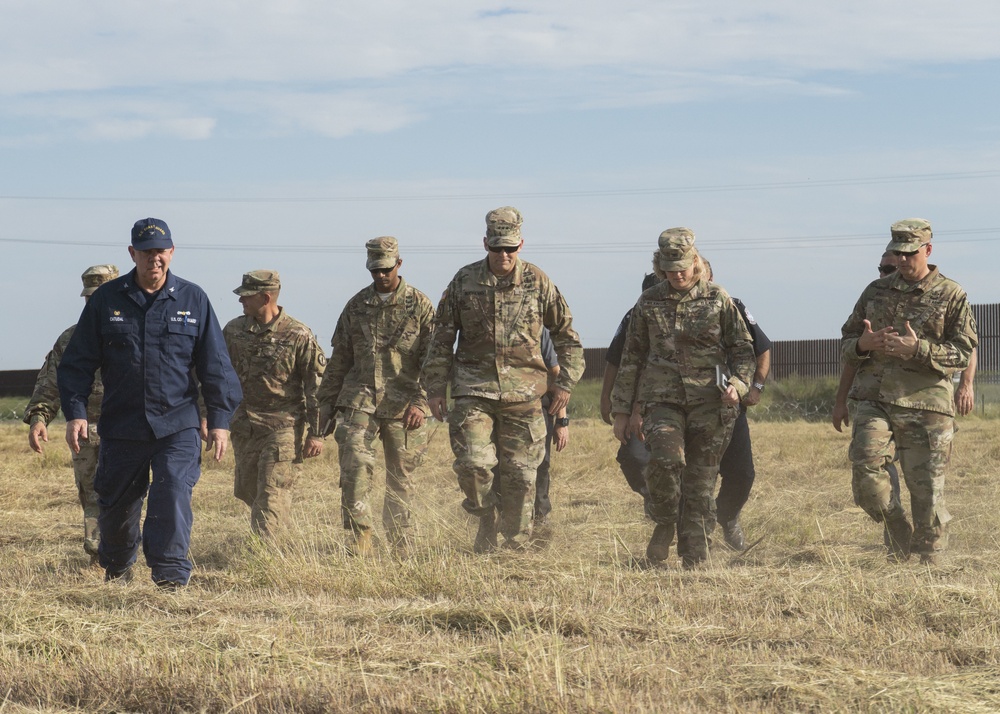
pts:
[280, 367]
[938, 311]
[674, 343]
[378, 347]
[499, 323]
[44, 402]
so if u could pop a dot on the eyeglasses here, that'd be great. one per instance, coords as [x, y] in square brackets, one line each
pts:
[907, 253]
[887, 269]
[381, 271]
[508, 249]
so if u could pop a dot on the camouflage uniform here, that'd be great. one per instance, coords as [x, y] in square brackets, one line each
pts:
[280, 366]
[372, 378]
[909, 401]
[44, 406]
[674, 343]
[498, 378]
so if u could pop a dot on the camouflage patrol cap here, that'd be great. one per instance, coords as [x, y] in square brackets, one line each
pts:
[676, 249]
[503, 227]
[95, 276]
[909, 234]
[382, 253]
[151, 234]
[259, 281]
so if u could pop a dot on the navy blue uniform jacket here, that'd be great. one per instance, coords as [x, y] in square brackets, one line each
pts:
[151, 361]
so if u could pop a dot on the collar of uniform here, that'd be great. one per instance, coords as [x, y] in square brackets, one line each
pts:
[372, 297]
[696, 291]
[131, 286]
[923, 285]
[486, 276]
[256, 328]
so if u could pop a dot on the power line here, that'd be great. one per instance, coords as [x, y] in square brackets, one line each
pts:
[764, 186]
[727, 244]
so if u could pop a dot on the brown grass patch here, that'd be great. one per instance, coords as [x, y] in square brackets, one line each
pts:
[812, 618]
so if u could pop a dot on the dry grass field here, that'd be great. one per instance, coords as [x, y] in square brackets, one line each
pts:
[812, 618]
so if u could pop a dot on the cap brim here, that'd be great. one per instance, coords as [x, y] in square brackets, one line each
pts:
[904, 247]
[155, 244]
[244, 292]
[674, 266]
[381, 264]
[508, 241]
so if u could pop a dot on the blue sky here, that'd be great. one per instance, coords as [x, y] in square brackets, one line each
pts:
[788, 136]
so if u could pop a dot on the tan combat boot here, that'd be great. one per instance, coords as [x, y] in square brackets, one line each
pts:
[659, 545]
[897, 536]
[486, 536]
[361, 543]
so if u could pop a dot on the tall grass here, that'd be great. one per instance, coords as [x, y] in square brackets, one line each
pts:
[811, 618]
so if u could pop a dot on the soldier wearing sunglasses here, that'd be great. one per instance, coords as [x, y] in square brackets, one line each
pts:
[907, 335]
[496, 309]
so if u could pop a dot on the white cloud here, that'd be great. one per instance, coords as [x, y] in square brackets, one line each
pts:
[194, 128]
[310, 65]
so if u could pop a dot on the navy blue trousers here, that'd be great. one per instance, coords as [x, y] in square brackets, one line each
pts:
[122, 483]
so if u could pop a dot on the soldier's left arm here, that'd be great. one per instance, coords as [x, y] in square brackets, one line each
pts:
[425, 321]
[738, 346]
[220, 386]
[311, 364]
[44, 403]
[951, 351]
[557, 318]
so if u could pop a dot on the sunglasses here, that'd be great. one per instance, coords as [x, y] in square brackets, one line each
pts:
[887, 269]
[508, 249]
[382, 271]
[907, 253]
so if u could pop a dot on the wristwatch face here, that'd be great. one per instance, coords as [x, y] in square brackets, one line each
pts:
[562, 422]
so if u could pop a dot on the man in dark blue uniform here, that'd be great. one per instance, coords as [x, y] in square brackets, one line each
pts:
[155, 338]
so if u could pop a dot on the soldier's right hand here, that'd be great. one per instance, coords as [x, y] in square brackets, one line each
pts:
[840, 415]
[622, 428]
[439, 407]
[76, 431]
[36, 435]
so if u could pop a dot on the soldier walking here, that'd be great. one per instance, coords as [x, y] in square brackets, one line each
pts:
[908, 334]
[44, 406]
[496, 308]
[372, 380]
[280, 365]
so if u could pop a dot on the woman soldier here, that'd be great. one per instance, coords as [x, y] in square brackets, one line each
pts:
[688, 361]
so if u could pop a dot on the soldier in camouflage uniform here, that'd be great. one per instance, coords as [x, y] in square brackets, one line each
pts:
[908, 334]
[496, 308]
[373, 380]
[280, 366]
[44, 406]
[681, 331]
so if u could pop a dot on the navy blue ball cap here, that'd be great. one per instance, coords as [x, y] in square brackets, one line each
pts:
[151, 234]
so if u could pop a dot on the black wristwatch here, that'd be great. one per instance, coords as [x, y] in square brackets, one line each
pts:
[562, 422]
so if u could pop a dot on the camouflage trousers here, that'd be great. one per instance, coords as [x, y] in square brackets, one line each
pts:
[923, 443]
[404, 450]
[518, 448]
[686, 445]
[264, 474]
[84, 468]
